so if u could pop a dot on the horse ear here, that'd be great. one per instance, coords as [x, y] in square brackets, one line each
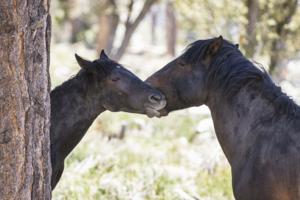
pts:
[84, 64]
[103, 55]
[212, 49]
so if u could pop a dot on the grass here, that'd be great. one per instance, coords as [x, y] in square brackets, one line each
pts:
[157, 160]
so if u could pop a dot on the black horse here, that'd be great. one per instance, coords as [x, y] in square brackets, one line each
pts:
[100, 85]
[257, 125]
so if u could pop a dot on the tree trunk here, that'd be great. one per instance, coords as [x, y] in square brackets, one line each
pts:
[108, 24]
[171, 29]
[154, 17]
[24, 100]
[130, 27]
[278, 45]
[276, 56]
[252, 16]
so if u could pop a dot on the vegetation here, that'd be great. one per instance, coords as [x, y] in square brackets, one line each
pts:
[157, 159]
[268, 28]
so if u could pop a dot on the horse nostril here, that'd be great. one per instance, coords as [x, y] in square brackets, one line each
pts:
[155, 98]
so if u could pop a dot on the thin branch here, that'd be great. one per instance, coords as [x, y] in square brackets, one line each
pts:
[129, 8]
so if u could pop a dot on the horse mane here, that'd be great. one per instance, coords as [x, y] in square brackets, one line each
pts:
[82, 77]
[230, 71]
[73, 80]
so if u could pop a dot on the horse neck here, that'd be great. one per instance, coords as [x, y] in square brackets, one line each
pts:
[234, 121]
[73, 109]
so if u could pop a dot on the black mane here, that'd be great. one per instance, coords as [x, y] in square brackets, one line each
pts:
[81, 80]
[230, 71]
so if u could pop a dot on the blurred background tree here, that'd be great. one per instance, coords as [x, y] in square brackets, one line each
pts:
[110, 20]
[268, 28]
[109, 15]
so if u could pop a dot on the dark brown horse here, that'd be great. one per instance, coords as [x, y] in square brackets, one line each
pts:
[100, 85]
[257, 125]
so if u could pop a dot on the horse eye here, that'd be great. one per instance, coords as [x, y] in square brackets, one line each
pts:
[115, 79]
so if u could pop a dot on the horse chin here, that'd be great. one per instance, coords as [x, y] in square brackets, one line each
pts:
[154, 110]
[151, 112]
[163, 113]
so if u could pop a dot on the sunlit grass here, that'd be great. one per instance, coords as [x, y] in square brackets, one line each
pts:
[156, 160]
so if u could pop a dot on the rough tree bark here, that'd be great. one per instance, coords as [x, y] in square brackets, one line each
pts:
[24, 100]
[171, 29]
